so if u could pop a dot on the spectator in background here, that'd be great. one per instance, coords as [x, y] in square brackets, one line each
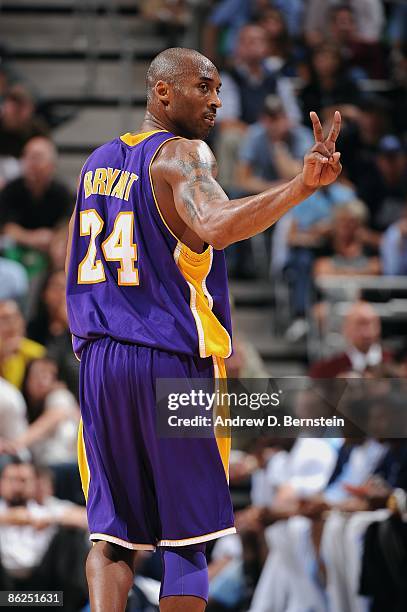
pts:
[397, 24]
[227, 18]
[393, 248]
[348, 257]
[248, 80]
[13, 280]
[368, 18]
[385, 187]
[273, 149]
[398, 93]
[362, 333]
[364, 59]
[363, 128]
[230, 15]
[245, 85]
[329, 83]
[52, 413]
[9, 165]
[16, 351]
[18, 123]
[13, 421]
[31, 206]
[304, 237]
[50, 328]
[42, 545]
[280, 56]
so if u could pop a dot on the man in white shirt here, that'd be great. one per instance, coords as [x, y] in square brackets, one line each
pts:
[43, 544]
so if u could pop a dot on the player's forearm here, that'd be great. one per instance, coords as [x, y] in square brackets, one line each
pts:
[243, 218]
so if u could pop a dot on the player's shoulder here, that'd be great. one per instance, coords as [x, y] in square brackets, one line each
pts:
[102, 150]
[175, 153]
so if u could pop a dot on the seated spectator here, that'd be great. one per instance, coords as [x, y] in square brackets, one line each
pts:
[16, 351]
[362, 129]
[393, 248]
[355, 28]
[280, 55]
[294, 471]
[329, 83]
[13, 280]
[42, 545]
[224, 22]
[398, 92]
[50, 328]
[273, 149]
[52, 413]
[362, 332]
[13, 420]
[368, 18]
[325, 542]
[384, 189]
[245, 85]
[31, 206]
[364, 58]
[308, 227]
[348, 257]
[18, 123]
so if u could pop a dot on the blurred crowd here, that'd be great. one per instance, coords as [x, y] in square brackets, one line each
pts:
[321, 509]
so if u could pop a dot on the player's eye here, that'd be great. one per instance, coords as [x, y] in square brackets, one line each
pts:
[204, 87]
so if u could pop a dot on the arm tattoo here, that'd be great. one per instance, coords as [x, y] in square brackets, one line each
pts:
[199, 182]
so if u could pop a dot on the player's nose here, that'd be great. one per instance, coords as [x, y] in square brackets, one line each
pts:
[215, 101]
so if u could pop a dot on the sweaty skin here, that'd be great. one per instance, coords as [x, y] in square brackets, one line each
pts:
[183, 97]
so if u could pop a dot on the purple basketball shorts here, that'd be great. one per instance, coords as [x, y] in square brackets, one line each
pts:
[143, 490]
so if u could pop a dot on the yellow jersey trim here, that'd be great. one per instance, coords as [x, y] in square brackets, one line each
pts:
[83, 462]
[113, 540]
[134, 139]
[203, 538]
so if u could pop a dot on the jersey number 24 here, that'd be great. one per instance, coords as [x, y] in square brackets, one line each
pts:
[118, 246]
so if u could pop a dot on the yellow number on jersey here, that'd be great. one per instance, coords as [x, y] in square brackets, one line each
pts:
[118, 246]
[90, 271]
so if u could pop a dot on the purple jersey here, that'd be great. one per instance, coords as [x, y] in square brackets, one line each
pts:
[129, 276]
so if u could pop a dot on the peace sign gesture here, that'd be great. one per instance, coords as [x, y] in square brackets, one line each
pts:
[321, 164]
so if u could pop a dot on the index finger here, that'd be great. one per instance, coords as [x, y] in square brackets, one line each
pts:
[317, 127]
[335, 128]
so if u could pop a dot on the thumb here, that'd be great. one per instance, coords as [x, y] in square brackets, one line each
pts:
[335, 157]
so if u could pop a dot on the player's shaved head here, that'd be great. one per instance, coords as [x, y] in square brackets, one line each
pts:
[182, 93]
[174, 64]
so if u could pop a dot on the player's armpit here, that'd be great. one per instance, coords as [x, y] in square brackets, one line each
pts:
[190, 170]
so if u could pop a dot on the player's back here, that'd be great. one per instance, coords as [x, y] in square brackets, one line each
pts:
[129, 277]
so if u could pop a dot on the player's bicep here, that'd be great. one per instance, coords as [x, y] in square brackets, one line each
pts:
[194, 198]
[195, 190]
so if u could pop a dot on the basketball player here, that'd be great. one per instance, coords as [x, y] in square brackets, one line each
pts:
[147, 298]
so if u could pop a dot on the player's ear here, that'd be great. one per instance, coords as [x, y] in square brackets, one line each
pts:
[162, 90]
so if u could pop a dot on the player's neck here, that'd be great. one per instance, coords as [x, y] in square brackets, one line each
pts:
[151, 122]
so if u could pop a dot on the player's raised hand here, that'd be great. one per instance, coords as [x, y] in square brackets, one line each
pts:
[321, 164]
